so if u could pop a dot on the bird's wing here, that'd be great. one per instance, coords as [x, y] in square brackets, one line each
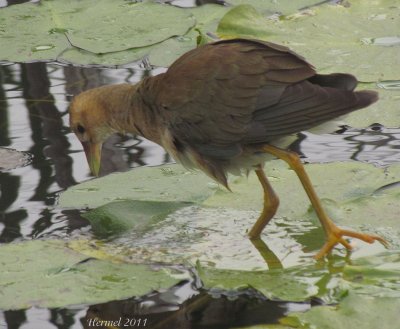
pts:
[209, 96]
[302, 106]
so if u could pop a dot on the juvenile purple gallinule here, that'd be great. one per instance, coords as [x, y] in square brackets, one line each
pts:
[226, 107]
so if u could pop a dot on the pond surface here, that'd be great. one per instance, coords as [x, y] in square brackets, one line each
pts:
[34, 102]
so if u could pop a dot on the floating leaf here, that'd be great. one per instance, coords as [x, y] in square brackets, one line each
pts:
[236, 23]
[61, 277]
[333, 47]
[93, 27]
[353, 312]
[385, 111]
[101, 26]
[164, 183]
[284, 7]
[295, 284]
[216, 235]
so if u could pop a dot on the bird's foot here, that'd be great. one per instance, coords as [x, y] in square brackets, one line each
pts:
[335, 236]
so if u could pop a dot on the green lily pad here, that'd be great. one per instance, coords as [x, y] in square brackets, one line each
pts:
[61, 276]
[384, 112]
[373, 276]
[236, 23]
[47, 30]
[160, 54]
[100, 27]
[353, 312]
[212, 234]
[83, 57]
[33, 40]
[345, 47]
[165, 183]
[115, 218]
[284, 7]
[294, 284]
[347, 190]
[165, 53]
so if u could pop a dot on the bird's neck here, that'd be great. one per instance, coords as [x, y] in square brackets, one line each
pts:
[134, 110]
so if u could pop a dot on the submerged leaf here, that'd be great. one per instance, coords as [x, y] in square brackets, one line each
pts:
[117, 217]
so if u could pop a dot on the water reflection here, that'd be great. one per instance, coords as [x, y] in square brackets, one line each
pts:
[376, 145]
[33, 111]
[202, 310]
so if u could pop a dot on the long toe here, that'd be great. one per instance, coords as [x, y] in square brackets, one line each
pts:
[335, 236]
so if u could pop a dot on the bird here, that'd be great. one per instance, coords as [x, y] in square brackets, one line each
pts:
[228, 106]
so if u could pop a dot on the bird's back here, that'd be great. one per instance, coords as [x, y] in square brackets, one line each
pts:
[222, 99]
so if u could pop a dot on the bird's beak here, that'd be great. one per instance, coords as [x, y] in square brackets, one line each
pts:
[93, 156]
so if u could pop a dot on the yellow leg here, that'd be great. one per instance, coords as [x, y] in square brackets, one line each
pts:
[271, 203]
[334, 234]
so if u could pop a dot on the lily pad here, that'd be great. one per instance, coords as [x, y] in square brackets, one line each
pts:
[346, 189]
[212, 234]
[160, 54]
[353, 312]
[164, 183]
[83, 57]
[64, 277]
[32, 41]
[214, 231]
[100, 27]
[294, 284]
[284, 7]
[344, 47]
[45, 31]
[385, 111]
[375, 277]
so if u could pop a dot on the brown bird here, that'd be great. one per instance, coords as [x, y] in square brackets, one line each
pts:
[226, 107]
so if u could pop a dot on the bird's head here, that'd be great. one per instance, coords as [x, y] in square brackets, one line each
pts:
[92, 114]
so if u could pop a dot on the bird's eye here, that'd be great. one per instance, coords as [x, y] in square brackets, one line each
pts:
[80, 129]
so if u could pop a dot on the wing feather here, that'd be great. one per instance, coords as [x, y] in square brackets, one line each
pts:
[219, 97]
